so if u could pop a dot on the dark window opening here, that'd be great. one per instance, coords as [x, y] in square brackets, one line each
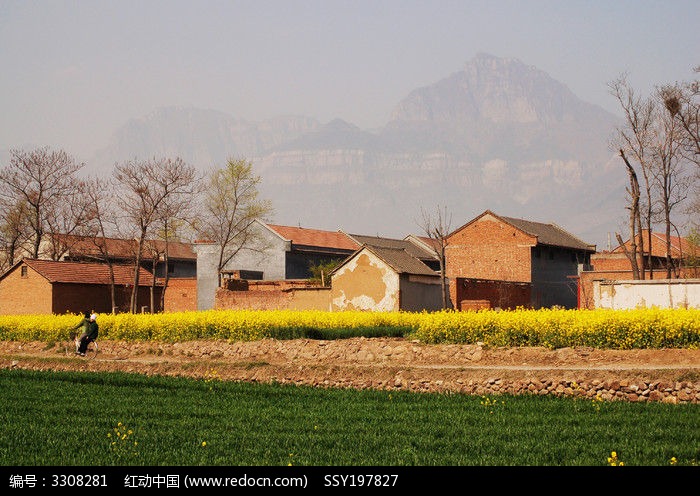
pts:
[23, 271]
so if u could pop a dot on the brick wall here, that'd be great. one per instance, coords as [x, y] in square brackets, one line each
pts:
[498, 294]
[25, 295]
[488, 249]
[79, 298]
[181, 295]
[274, 295]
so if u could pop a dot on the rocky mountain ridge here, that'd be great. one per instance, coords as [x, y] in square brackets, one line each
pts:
[497, 135]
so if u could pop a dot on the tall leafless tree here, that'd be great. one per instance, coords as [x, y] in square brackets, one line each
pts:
[635, 139]
[682, 100]
[46, 181]
[634, 221]
[103, 224]
[145, 187]
[176, 214]
[14, 231]
[670, 176]
[437, 227]
[231, 206]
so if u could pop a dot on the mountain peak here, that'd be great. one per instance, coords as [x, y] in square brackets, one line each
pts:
[488, 88]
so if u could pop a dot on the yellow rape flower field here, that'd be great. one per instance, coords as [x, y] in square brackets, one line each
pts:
[555, 328]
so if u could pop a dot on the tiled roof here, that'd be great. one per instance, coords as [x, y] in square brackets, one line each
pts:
[549, 234]
[401, 261]
[679, 246]
[546, 234]
[86, 273]
[429, 242]
[399, 244]
[122, 248]
[303, 236]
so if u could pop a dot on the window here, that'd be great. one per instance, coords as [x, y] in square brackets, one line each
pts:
[171, 267]
[23, 271]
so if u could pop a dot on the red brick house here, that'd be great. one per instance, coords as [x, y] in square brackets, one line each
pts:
[182, 259]
[511, 262]
[49, 287]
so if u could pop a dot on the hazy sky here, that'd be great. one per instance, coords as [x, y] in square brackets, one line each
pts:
[72, 72]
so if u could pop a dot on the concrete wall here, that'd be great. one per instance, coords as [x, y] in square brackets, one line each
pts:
[586, 293]
[266, 253]
[662, 293]
[365, 283]
[207, 274]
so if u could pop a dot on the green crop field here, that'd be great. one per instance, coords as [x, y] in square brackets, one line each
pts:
[105, 419]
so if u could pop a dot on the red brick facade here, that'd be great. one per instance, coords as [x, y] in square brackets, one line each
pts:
[471, 293]
[181, 295]
[488, 248]
[272, 295]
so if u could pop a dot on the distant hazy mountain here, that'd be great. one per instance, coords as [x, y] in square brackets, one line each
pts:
[497, 135]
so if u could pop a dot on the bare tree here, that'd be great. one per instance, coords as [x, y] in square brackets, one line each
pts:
[146, 186]
[437, 227]
[14, 232]
[175, 214]
[45, 180]
[682, 100]
[634, 221]
[103, 223]
[635, 137]
[670, 176]
[231, 206]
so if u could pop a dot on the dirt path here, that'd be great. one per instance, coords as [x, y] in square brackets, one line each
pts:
[386, 363]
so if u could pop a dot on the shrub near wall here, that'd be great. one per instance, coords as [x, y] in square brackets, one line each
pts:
[615, 329]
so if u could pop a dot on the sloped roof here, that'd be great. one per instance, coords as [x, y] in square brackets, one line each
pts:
[84, 246]
[303, 236]
[398, 244]
[85, 273]
[549, 234]
[400, 260]
[546, 234]
[431, 243]
[680, 247]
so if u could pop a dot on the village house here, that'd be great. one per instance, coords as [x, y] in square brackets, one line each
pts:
[276, 253]
[494, 261]
[385, 278]
[52, 287]
[181, 258]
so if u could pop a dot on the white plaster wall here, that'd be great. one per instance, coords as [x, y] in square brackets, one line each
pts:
[666, 293]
